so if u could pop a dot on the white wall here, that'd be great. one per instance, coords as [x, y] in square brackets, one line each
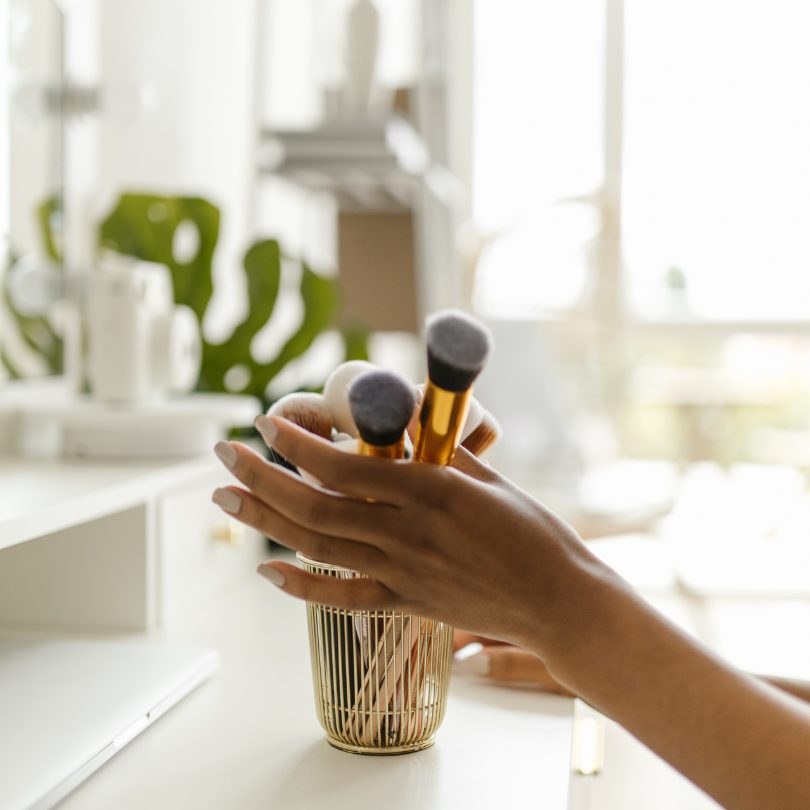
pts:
[4, 156]
[194, 60]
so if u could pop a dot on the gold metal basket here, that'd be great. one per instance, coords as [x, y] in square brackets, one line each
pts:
[380, 678]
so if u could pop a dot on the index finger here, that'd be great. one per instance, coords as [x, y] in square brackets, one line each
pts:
[361, 476]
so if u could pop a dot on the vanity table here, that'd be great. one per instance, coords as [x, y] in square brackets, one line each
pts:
[114, 551]
[249, 737]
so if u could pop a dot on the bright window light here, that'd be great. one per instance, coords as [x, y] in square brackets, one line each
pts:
[537, 139]
[717, 157]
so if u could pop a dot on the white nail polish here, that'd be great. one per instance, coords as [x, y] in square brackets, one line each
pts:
[227, 500]
[226, 454]
[266, 427]
[272, 575]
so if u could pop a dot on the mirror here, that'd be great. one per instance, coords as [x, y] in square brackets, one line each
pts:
[32, 123]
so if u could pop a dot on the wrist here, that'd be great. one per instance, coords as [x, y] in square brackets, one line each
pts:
[586, 626]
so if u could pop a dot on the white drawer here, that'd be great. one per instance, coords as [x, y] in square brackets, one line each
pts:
[199, 549]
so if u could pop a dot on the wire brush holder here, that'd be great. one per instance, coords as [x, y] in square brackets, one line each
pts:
[380, 677]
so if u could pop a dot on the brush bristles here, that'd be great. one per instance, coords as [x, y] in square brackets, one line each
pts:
[382, 404]
[335, 393]
[483, 436]
[307, 410]
[458, 347]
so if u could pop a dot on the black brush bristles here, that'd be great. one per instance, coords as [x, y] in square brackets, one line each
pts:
[382, 404]
[457, 348]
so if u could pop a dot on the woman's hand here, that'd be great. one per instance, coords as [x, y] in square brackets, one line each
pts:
[468, 548]
[477, 552]
[504, 664]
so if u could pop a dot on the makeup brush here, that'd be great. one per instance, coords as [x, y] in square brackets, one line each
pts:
[381, 405]
[335, 394]
[457, 348]
[481, 429]
[480, 433]
[306, 410]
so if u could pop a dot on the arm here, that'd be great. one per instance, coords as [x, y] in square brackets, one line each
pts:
[507, 664]
[477, 552]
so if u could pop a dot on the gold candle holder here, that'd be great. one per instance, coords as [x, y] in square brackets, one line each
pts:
[380, 677]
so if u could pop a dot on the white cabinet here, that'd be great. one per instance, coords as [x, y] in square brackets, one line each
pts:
[106, 546]
[199, 548]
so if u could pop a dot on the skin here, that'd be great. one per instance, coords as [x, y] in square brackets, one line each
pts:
[507, 665]
[465, 546]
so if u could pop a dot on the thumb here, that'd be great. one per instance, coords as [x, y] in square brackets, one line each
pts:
[511, 665]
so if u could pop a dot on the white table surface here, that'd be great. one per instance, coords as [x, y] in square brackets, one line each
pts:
[249, 738]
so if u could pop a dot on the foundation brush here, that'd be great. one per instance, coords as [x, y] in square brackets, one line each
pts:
[457, 349]
[306, 410]
[382, 403]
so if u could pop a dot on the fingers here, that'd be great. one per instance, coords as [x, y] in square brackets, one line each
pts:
[303, 504]
[462, 638]
[466, 462]
[511, 665]
[347, 594]
[361, 476]
[317, 546]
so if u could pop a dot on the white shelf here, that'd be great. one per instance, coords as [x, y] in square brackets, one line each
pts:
[38, 497]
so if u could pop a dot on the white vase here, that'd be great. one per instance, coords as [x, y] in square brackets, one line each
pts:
[362, 37]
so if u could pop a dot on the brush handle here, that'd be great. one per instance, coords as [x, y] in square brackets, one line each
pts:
[441, 420]
[364, 722]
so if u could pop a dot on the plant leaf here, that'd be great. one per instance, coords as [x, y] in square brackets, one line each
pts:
[144, 226]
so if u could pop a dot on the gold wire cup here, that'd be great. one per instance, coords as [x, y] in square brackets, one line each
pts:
[380, 677]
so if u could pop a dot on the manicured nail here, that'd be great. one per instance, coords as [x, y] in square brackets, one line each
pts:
[272, 574]
[228, 500]
[226, 454]
[266, 427]
[479, 664]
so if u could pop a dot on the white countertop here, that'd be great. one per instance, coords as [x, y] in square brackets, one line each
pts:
[249, 738]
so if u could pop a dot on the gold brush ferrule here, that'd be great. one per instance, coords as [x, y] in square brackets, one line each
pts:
[396, 450]
[441, 420]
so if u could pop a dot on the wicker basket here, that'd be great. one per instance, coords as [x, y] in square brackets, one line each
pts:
[380, 678]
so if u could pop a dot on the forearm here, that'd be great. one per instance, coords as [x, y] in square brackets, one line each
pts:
[743, 742]
[799, 689]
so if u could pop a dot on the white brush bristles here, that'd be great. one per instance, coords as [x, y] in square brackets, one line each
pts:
[336, 394]
[483, 435]
[309, 411]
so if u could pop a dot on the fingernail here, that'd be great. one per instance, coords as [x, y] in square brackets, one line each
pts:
[228, 500]
[266, 427]
[272, 574]
[479, 664]
[226, 454]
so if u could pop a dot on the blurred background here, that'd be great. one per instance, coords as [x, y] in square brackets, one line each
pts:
[617, 187]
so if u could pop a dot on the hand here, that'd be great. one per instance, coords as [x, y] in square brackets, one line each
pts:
[468, 548]
[505, 664]
[477, 552]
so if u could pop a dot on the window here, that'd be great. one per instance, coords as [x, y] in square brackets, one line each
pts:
[647, 163]
[717, 157]
[700, 108]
